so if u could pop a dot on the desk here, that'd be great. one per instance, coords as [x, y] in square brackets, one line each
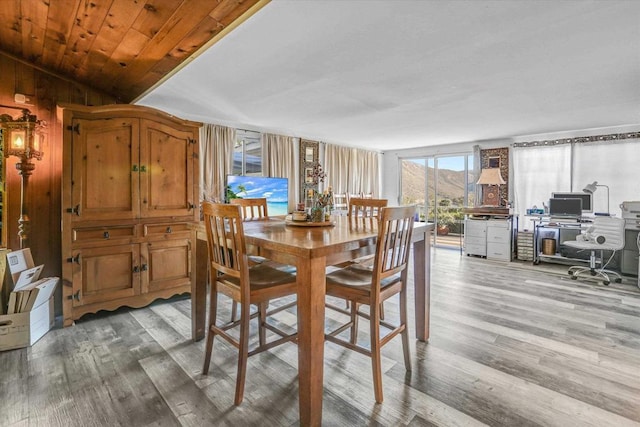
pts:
[311, 250]
[560, 231]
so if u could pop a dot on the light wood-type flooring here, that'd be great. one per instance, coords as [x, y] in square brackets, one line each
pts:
[511, 345]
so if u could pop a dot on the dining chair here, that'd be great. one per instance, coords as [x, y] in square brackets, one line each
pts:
[340, 203]
[232, 276]
[387, 278]
[364, 213]
[253, 208]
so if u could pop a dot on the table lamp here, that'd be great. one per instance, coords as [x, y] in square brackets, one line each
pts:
[492, 180]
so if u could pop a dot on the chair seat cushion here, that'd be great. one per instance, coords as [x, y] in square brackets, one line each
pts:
[589, 245]
[262, 276]
[358, 277]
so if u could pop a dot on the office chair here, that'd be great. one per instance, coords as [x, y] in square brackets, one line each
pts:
[606, 234]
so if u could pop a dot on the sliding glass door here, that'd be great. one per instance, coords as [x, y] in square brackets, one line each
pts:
[440, 186]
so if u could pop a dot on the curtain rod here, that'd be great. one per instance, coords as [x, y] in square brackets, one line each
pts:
[578, 139]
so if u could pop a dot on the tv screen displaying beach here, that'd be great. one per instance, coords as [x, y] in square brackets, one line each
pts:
[275, 190]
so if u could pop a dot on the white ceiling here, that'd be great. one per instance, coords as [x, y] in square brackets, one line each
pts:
[398, 74]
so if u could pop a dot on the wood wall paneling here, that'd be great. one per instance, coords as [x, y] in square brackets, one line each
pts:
[44, 194]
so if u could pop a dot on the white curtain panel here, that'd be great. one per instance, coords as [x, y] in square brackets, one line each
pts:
[278, 160]
[216, 160]
[539, 171]
[352, 170]
[337, 165]
[614, 164]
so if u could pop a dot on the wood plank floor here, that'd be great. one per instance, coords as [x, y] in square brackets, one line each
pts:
[511, 345]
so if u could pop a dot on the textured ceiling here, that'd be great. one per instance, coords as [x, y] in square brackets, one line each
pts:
[388, 75]
[122, 47]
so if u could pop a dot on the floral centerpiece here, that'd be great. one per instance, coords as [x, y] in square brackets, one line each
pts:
[322, 202]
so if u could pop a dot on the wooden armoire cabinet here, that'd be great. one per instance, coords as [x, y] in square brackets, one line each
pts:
[129, 199]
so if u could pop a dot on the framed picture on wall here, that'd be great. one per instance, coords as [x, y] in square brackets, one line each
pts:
[308, 175]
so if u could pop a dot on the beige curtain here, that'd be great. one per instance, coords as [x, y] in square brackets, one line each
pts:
[352, 170]
[216, 160]
[278, 160]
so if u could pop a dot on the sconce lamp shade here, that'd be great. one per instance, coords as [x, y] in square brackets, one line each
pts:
[23, 136]
[491, 176]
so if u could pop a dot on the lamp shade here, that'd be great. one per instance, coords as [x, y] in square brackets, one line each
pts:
[591, 188]
[491, 176]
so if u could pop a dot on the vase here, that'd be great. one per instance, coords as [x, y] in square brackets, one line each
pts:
[317, 214]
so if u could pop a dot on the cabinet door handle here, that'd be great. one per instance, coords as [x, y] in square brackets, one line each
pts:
[135, 168]
[136, 269]
[143, 168]
[75, 296]
[106, 234]
[144, 267]
[190, 206]
[168, 230]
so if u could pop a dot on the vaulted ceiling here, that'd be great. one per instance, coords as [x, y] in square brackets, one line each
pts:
[122, 47]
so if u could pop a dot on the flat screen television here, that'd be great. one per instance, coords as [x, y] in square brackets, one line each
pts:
[275, 190]
[565, 208]
[587, 199]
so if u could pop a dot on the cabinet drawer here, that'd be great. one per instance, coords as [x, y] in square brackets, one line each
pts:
[471, 240]
[499, 235]
[476, 249]
[475, 228]
[103, 234]
[498, 251]
[171, 229]
[498, 224]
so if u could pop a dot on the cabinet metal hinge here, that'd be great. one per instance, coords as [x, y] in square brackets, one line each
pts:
[75, 259]
[75, 128]
[75, 210]
[191, 140]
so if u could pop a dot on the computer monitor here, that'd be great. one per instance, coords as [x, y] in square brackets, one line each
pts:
[587, 199]
[565, 208]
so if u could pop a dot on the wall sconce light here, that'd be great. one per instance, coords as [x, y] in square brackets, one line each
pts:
[591, 188]
[23, 138]
[492, 180]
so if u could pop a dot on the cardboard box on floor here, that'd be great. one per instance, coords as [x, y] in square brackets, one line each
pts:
[19, 330]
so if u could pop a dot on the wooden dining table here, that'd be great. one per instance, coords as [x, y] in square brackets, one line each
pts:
[311, 249]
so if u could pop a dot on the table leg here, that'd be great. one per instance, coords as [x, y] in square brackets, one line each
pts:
[311, 295]
[422, 285]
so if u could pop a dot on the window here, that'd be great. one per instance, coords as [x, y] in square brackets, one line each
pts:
[247, 153]
[440, 186]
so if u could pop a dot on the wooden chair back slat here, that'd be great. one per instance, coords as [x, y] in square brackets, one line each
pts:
[252, 209]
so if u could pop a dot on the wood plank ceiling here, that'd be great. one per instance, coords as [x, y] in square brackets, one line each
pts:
[122, 47]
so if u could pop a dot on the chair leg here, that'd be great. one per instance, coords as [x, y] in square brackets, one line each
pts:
[262, 319]
[234, 311]
[376, 363]
[243, 352]
[354, 322]
[213, 308]
[405, 334]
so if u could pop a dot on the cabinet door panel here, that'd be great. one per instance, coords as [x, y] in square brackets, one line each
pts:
[168, 264]
[166, 183]
[104, 185]
[106, 273]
